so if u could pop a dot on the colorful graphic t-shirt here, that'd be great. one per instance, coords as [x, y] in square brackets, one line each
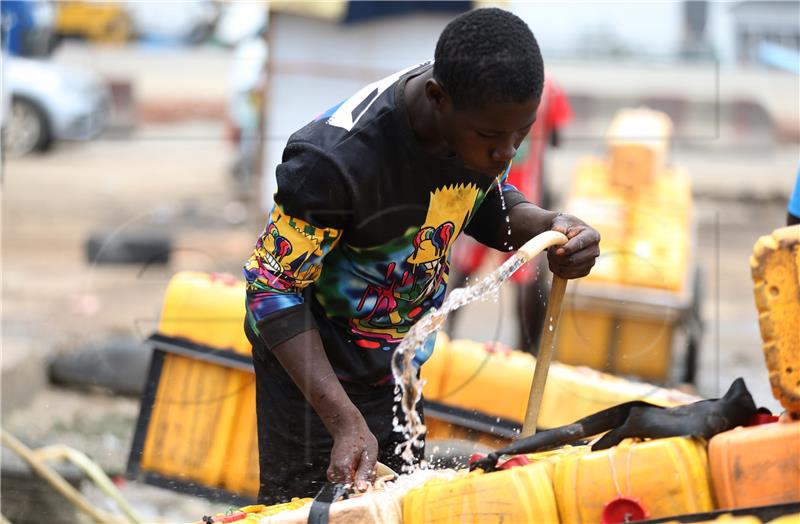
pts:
[358, 243]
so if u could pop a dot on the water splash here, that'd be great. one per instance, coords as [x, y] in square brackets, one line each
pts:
[507, 243]
[404, 371]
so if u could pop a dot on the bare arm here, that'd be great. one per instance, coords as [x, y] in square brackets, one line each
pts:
[355, 449]
[572, 260]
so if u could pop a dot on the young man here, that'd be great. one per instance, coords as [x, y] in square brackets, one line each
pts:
[371, 196]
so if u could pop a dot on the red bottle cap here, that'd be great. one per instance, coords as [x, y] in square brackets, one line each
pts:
[476, 457]
[762, 418]
[623, 509]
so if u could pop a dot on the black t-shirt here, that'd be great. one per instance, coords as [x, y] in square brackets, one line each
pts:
[358, 243]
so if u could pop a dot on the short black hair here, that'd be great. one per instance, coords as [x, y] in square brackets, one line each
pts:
[488, 55]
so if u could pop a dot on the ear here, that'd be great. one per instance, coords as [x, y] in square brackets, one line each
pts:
[436, 94]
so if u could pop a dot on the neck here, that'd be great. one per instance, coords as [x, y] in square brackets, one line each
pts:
[421, 114]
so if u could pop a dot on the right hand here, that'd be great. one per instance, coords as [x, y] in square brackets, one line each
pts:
[354, 456]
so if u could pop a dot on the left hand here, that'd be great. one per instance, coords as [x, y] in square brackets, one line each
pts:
[575, 258]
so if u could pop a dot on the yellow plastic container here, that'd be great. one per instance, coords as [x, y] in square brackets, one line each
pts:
[638, 142]
[438, 430]
[206, 308]
[192, 419]
[202, 423]
[666, 477]
[521, 494]
[727, 518]
[756, 466]
[98, 21]
[570, 393]
[476, 369]
[624, 343]
[584, 337]
[775, 267]
[434, 370]
[644, 348]
[240, 472]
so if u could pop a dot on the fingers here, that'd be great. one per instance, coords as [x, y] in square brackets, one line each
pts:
[353, 460]
[340, 469]
[365, 474]
[577, 257]
[571, 271]
[580, 238]
[576, 260]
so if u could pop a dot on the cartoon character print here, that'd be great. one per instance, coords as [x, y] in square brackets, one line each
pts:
[416, 281]
[287, 256]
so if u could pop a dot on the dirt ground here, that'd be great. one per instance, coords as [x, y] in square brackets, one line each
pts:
[173, 177]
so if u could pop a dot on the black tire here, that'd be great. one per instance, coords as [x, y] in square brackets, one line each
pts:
[118, 365]
[27, 129]
[128, 247]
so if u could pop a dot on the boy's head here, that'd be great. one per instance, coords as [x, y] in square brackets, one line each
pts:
[487, 80]
[486, 56]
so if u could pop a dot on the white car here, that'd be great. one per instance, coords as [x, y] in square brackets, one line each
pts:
[44, 102]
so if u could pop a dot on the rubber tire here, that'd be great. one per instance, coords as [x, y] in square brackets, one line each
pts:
[117, 365]
[128, 247]
[43, 138]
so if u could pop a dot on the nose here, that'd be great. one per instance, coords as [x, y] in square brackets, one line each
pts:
[504, 152]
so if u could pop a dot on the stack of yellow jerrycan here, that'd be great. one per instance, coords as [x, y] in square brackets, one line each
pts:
[202, 429]
[200, 425]
[622, 316]
[519, 494]
[632, 481]
[650, 479]
[461, 375]
[760, 465]
[775, 267]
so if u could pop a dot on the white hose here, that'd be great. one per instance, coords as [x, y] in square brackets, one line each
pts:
[540, 242]
[56, 480]
[94, 472]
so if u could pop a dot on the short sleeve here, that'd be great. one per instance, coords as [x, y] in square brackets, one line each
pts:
[486, 224]
[309, 217]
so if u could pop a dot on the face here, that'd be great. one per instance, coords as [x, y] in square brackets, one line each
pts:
[486, 138]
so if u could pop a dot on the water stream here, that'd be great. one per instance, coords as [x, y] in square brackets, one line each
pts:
[406, 373]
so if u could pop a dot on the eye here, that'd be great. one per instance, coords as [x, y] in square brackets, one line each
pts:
[487, 134]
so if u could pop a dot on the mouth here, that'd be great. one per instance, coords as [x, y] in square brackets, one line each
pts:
[493, 170]
[272, 262]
